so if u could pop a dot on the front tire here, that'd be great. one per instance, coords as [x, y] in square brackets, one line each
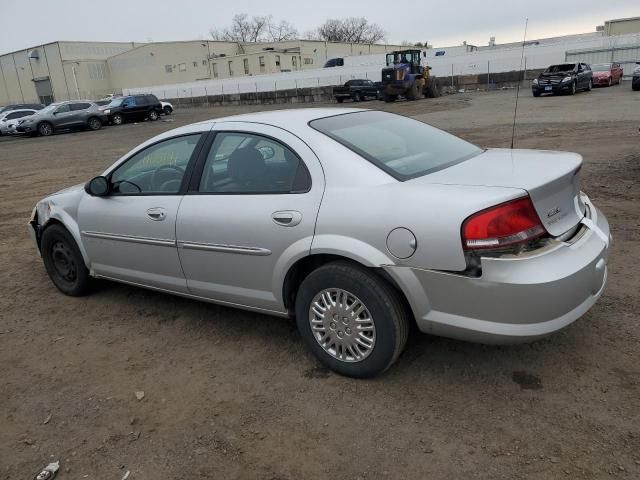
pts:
[353, 321]
[45, 129]
[63, 261]
[117, 119]
[590, 86]
[574, 88]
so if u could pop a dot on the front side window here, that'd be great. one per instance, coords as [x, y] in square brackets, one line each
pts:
[157, 169]
[63, 108]
[246, 163]
[403, 147]
[129, 102]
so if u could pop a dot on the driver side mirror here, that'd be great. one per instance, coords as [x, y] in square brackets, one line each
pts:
[97, 187]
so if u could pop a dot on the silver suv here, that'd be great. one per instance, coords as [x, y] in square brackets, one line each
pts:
[73, 115]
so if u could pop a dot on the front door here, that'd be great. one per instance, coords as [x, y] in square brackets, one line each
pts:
[63, 116]
[252, 210]
[129, 234]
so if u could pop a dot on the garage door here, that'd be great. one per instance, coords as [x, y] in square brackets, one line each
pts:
[44, 90]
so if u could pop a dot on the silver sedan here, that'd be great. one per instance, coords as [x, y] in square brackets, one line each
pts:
[355, 222]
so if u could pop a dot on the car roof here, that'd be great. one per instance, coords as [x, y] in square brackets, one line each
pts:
[288, 117]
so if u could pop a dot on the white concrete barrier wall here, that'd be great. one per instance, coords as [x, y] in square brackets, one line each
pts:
[492, 60]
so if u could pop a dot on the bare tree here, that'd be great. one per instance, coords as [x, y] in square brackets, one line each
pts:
[281, 31]
[255, 29]
[351, 29]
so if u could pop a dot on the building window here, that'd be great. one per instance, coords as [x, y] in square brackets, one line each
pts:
[215, 70]
[195, 64]
[294, 63]
[277, 60]
[246, 66]
[261, 60]
[168, 68]
[182, 67]
[230, 64]
[308, 61]
[204, 62]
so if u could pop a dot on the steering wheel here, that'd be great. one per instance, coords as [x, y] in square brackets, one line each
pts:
[171, 171]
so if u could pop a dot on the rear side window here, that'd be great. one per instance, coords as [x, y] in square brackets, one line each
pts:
[403, 147]
[80, 106]
[141, 100]
[252, 164]
[151, 99]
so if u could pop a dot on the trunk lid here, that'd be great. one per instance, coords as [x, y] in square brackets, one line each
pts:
[550, 179]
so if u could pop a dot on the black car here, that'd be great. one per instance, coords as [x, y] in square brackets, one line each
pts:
[564, 78]
[635, 83]
[20, 106]
[357, 90]
[133, 107]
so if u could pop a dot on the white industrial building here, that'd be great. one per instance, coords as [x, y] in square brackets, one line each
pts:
[71, 70]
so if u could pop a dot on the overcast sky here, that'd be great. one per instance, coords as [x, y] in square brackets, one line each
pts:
[441, 23]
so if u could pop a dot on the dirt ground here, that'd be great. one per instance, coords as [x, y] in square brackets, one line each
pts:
[235, 395]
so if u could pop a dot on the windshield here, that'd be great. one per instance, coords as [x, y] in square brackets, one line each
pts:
[117, 102]
[403, 147]
[601, 68]
[565, 67]
[49, 108]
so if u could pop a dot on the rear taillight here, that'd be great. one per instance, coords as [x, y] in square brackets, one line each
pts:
[506, 224]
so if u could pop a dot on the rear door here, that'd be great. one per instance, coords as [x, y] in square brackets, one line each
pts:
[79, 113]
[250, 213]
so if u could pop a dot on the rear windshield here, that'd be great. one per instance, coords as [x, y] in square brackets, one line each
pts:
[566, 67]
[605, 67]
[403, 147]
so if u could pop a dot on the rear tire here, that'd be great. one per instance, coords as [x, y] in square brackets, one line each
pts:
[94, 124]
[153, 115]
[45, 129]
[360, 323]
[63, 261]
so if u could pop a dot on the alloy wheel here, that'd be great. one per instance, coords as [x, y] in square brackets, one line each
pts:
[45, 129]
[342, 325]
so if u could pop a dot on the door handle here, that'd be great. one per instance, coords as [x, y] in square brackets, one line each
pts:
[157, 213]
[287, 218]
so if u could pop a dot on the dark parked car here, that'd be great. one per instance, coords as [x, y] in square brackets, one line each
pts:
[563, 78]
[357, 90]
[21, 106]
[133, 107]
[334, 62]
[635, 83]
[73, 115]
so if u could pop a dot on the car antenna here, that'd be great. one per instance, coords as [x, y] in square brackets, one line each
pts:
[515, 112]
